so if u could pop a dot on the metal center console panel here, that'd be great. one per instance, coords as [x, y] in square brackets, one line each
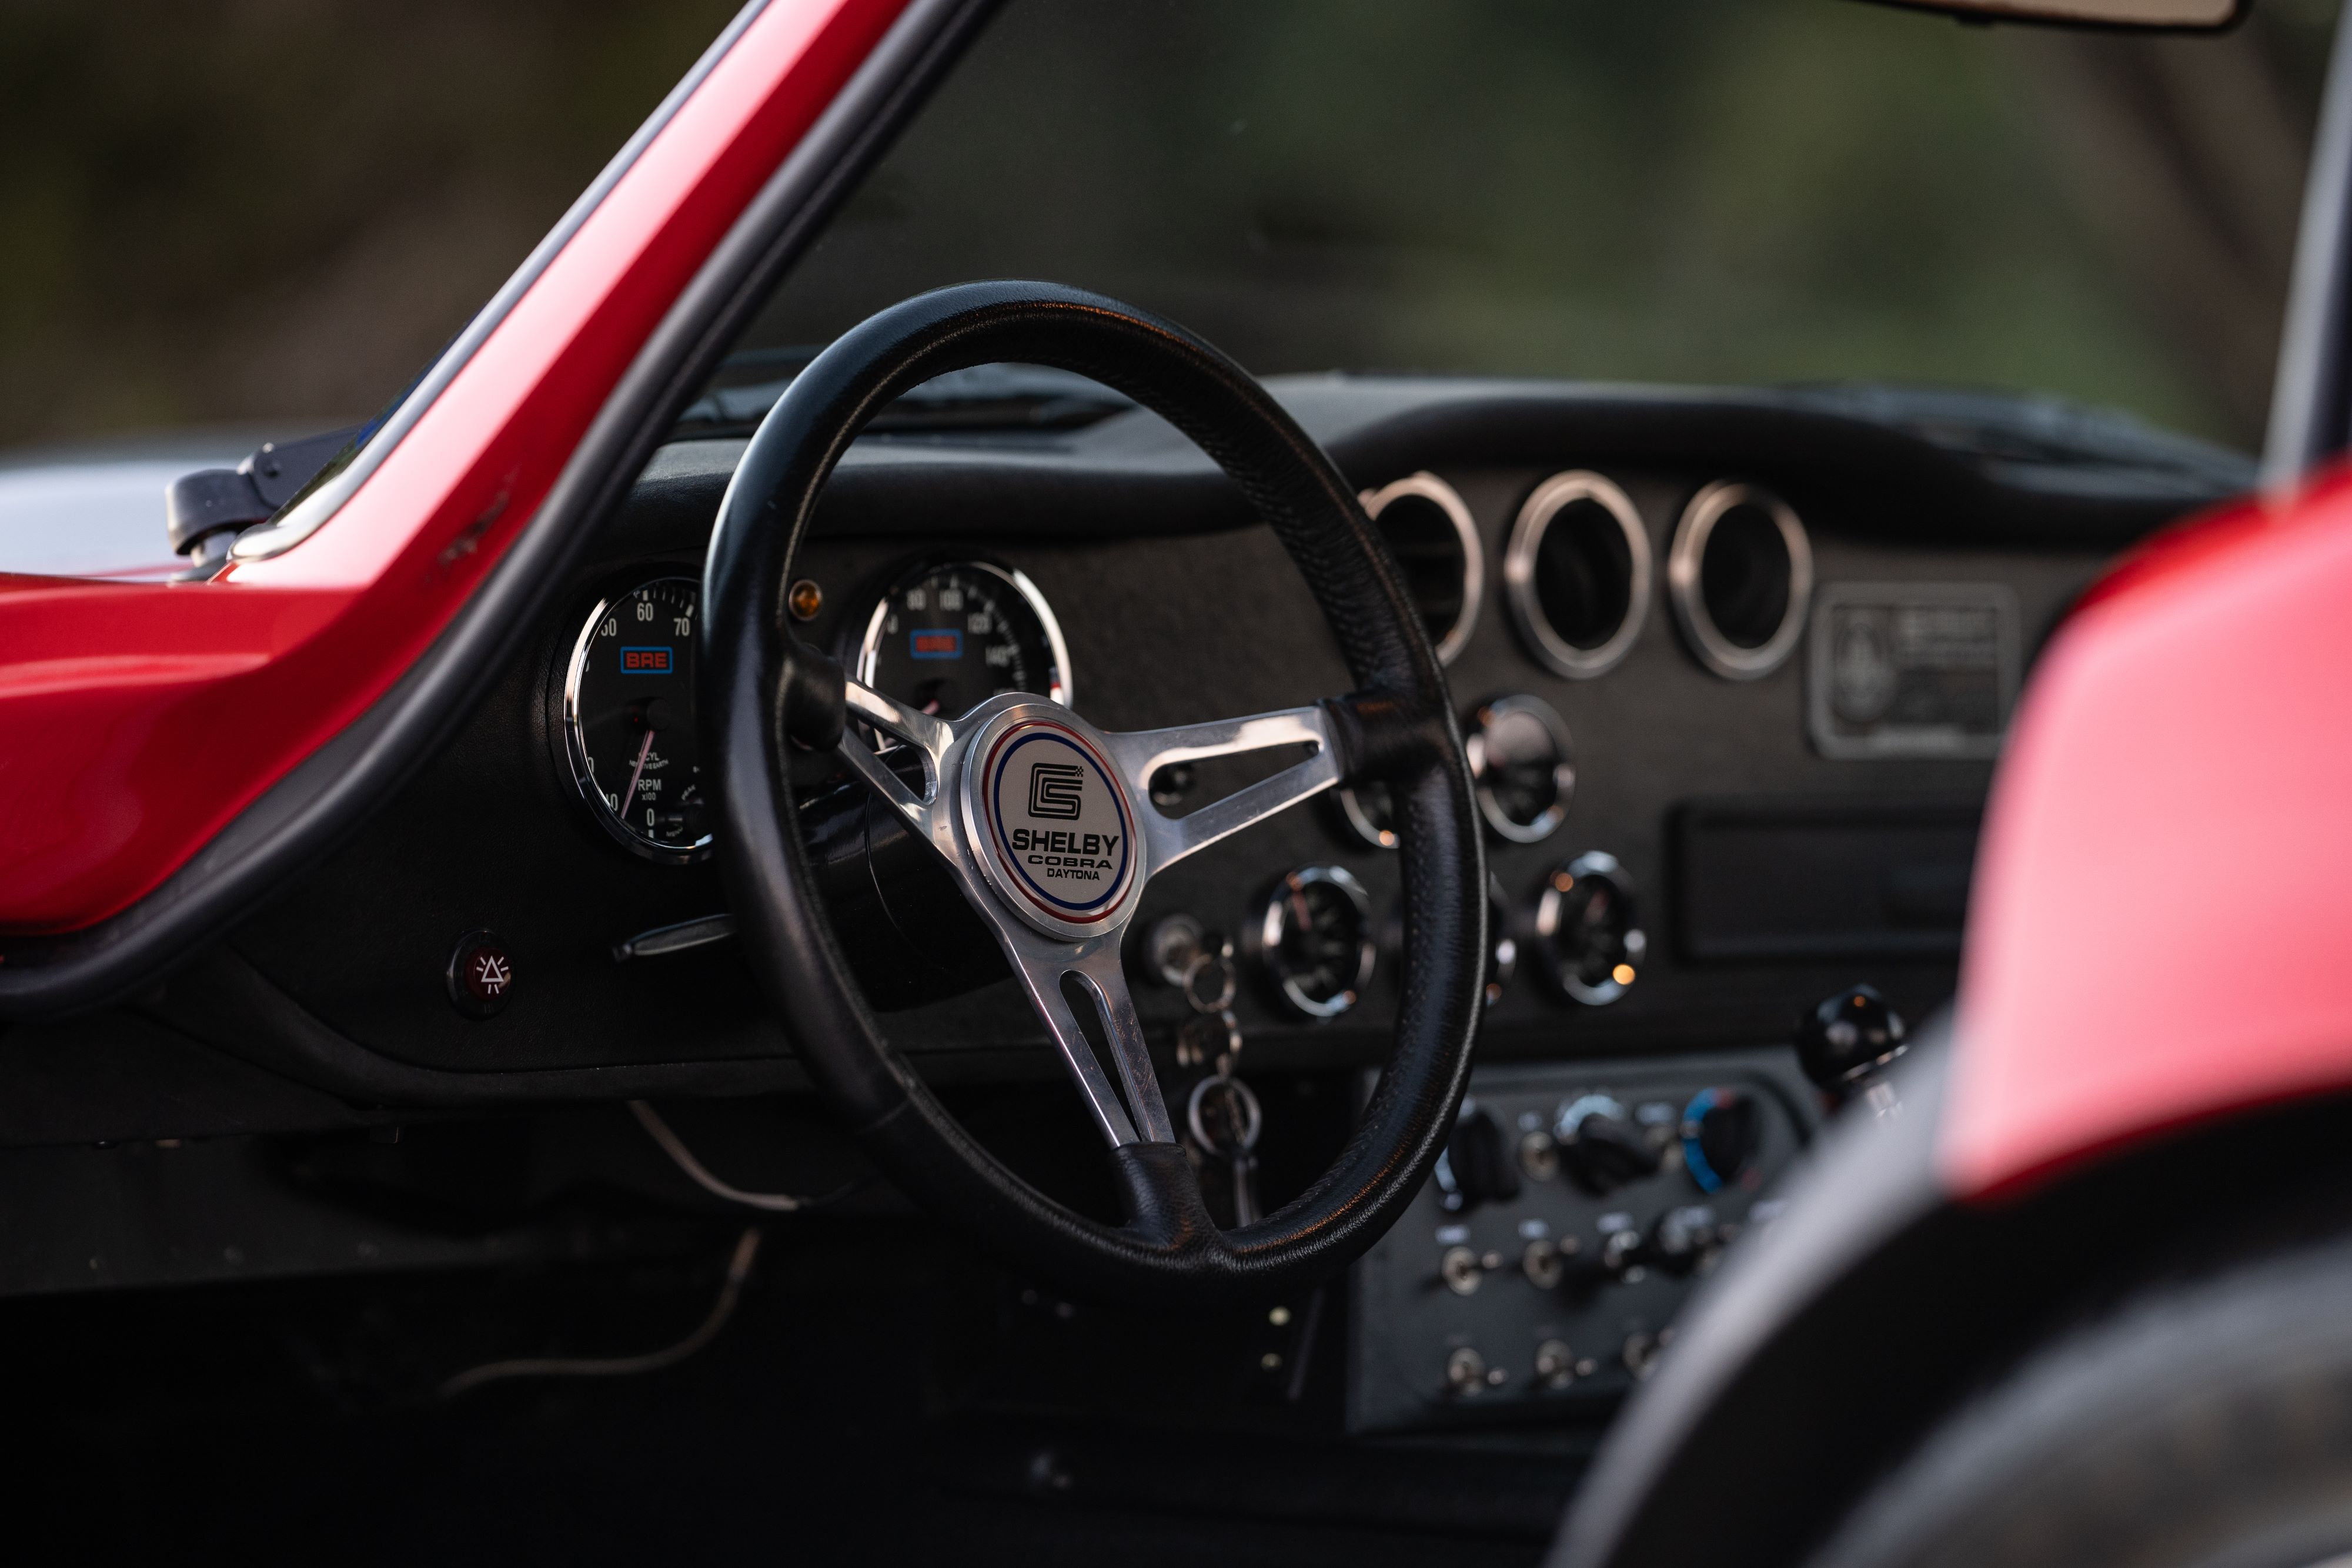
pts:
[1540, 1272]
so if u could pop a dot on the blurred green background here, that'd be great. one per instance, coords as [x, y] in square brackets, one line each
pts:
[217, 211]
[239, 211]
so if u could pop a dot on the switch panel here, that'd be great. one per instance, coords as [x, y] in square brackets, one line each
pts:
[1576, 1208]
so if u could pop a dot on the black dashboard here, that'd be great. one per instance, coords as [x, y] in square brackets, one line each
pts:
[1734, 669]
[1768, 809]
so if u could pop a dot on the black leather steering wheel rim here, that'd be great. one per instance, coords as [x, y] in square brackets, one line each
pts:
[762, 688]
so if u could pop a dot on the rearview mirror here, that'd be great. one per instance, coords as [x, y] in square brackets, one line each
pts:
[2171, 15]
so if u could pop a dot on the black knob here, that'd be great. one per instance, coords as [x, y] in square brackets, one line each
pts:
[1682, 1239]
[1722, 1130]
[1475, 1167]
[1849, 1037]
[1600, 1148]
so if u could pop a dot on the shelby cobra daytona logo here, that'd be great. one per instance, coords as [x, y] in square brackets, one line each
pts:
[1061, 826]
[1067, 854]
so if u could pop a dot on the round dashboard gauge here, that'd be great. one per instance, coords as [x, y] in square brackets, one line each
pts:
[1502, 948]
[1586, 929]
[628, 720]
[1368, 813]
[1316, 938]
[1522, 764]
[950, 635]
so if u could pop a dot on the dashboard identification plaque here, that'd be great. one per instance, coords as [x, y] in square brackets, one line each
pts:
[1912, 669]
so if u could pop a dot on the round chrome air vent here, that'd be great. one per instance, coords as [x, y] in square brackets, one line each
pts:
[1740, 575]
[1431, 533]
[1578, 571]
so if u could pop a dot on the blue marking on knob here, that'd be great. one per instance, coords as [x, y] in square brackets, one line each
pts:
[1694, 1157]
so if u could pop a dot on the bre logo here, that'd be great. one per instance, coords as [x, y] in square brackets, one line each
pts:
[933, 642]
[1057, 790]
[647, 660]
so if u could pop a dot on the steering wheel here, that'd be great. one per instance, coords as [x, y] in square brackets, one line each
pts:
[1047, 822]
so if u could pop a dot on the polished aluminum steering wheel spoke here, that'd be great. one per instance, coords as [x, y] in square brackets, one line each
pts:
[1144, 752]
[928, 813]
[1135, 1112]
[1048, 828]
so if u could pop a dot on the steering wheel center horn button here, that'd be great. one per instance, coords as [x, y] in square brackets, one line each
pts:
[1055, 828]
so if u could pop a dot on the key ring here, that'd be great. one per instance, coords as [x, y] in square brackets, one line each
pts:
[1207, 1037]
[1241, 1097]
[1228, 983]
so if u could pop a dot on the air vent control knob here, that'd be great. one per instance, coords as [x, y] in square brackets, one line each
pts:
[1477, 1166]
[1722, 1132]
[1600, 1148]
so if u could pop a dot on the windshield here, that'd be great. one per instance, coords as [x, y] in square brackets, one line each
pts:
[1689, 191]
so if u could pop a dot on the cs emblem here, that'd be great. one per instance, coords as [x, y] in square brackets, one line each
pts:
[1058, 822]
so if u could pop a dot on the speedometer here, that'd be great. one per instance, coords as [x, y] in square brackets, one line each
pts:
[948, 636]
[628, 720]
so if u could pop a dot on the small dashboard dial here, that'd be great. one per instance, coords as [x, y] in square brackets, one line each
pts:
[947, 636]
[628, 720]
[1368, 811]
[1722, 1134]
[1502, 948]
[1592, 946]
[1522, 762]
[1315, 937]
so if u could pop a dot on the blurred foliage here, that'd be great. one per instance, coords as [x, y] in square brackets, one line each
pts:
[238, 210]
[225, 210]
[1680, 190]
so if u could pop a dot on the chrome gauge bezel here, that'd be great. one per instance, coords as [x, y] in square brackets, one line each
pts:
[869, 645]
[1563, 768]
[575, 742]
[1551, 649]
[1273, 919]
[1502, 947]
[1429, 487]
[1553, 900]
[1718, 652]
[1360, 822]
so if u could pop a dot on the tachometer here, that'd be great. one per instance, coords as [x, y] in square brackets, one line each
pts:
[948, 636]
[628, 720]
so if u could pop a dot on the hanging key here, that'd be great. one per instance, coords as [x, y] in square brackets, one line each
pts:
[1224, 1118]
[1211, 981]
[1205, 1038]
